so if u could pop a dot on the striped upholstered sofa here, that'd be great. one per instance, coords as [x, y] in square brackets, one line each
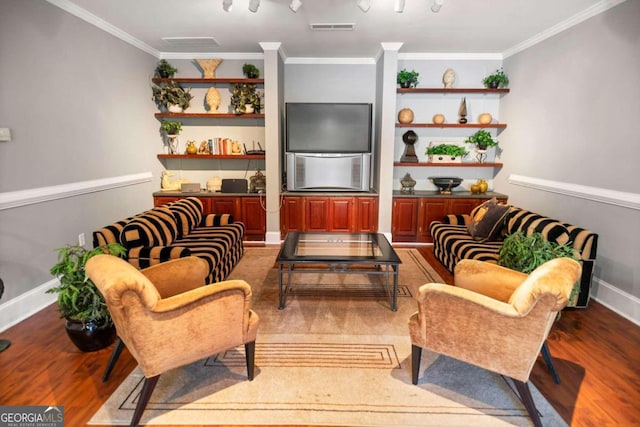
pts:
[452, 242]
[177, 230]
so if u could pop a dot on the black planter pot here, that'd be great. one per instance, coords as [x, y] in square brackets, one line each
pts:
[88, 336]
[494, 85]
[405, 85]
[163, 74]
[252, 75]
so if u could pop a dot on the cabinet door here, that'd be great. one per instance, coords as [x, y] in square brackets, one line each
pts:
[254, 218]
[404, 219]
[316, 214]
[227, 205]
[431, 209]
[162, 200]
[291, 215]
[341, 216]
[366, 214]
[463, 206]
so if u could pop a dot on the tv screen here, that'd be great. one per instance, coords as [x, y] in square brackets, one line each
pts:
[328, 127]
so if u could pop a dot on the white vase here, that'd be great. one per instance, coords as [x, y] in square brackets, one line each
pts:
[248, 108]
[174, 108]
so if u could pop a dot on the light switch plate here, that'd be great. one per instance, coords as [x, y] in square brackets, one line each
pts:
[5, 134]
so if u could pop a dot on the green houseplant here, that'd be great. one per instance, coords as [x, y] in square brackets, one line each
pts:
[482, 139]
[251, 71]
[407, 78]
[171, 127]
[496, 80]
[450, 150]
[244, 98]
[89, 323]
[164, 70]
[172, 97]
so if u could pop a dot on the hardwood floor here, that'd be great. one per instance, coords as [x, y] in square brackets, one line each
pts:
[596, 353]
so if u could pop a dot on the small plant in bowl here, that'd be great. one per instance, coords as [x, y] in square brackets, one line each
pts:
[172, 97]
[171, 127]
[447, 150]
[482, 139]
[496, 80]
[407, 78]
[251, 71]
[164, 70]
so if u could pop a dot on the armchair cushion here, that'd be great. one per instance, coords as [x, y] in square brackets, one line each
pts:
[188, 214]
[156, 227]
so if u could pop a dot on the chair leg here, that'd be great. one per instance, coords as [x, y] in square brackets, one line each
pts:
[115, 354]
[145, 395]
[416, 355]
[250, 353]
[527, 399]
[548, 360]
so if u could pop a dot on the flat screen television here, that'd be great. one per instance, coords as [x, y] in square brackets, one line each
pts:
[328, 127]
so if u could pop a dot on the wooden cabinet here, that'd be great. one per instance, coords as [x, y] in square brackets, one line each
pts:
[225, 205]
[412, 216]
[254, 218]
[329, 213]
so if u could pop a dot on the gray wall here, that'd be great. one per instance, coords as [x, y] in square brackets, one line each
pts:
[573, 118]
[78, 102]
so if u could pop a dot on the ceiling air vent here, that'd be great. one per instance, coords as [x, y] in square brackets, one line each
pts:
[193, 43]
[333, 27]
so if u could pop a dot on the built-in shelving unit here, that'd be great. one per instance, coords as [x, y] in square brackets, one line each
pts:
[213, 156]
[451, 125]
[451, 90]
[196, 80]
[457, 165]
[211, 116]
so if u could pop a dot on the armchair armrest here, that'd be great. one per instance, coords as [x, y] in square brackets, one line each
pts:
[178, 301]
[488, 279]
[177, 276]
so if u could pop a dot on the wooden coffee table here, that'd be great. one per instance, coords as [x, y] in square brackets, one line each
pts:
[339, 252]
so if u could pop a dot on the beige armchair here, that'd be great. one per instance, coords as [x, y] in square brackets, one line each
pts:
[494, 318]
[167, 318]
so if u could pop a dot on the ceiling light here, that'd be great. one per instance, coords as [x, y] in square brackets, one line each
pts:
[399, 7]
[295, 5]
[226, 5]
[253, 5]
[436, 5]
[364, 5]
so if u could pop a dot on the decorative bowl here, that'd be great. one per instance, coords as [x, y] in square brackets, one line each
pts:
[445, 183]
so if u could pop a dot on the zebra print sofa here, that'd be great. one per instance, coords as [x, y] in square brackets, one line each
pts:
[177, 230]
[452, 242]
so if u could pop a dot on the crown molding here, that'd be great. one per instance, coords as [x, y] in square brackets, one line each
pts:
[255, 56]
[92, 19]
[601, 195]
[331, 61]
[451, 56]
[589, 12]
[15, 199]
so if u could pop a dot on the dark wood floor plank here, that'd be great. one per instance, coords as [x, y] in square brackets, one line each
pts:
[596, 353]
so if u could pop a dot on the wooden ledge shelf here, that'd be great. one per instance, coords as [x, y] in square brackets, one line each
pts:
[209, 115]
[208, 81]
[457, 165]
[212, 156]
[452, 90]
[451, 125]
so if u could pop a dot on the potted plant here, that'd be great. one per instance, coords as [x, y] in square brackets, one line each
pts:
[446, 153]
[482, 139]
[244, 97]
[89, 323]
[171, 97]
[496, 80]
[171, 127]
[251, 71]
[526, 253]
[407, 79]
[164, 70]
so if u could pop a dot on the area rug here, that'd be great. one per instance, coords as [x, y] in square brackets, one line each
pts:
[336, 355]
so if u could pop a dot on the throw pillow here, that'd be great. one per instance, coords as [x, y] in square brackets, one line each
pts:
[487, 220]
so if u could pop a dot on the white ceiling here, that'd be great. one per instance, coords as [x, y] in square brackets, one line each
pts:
[461, 26]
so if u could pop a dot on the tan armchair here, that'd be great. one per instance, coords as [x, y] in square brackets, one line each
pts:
[494, 318]
[167, 318]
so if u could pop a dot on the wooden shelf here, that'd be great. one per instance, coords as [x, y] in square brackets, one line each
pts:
[452, 90]
[209, 115]
[207, 81]
[451, 125]
[456, 165]
[213, 156]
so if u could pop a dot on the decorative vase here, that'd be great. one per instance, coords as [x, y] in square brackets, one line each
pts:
[172, 143]
[209, 67]
[483, 186]
[88, 336]
[408, 184]
[405, 115]
[481, 154]
[174, 108]
[248, 108]
[191, 147]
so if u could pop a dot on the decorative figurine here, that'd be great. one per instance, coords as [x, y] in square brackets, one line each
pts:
[213, 100]
[438, 119]
[171, 185]
[204, 148]
[407, 184]
[258, 182]
[209, 67]
[409, 156]
[462, 111]
[405, 115]
[448, 78]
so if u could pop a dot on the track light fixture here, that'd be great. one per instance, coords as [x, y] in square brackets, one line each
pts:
[399, 6]
[436, 5]
[364, 5]
[226, 5]
[253, 5]
[295, 5]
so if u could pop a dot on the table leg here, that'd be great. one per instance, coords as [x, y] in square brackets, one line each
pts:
[280, 289]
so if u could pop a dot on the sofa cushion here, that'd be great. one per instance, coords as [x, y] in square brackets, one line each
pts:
[529, 223]
[487, 220]
[156, 227]
[188, 214]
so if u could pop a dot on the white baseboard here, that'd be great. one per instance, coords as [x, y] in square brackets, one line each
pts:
[621, 302]
[24, 306]
[272, 238]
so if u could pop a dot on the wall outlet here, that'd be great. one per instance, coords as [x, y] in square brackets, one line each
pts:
[81, 241]
[5, 134]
